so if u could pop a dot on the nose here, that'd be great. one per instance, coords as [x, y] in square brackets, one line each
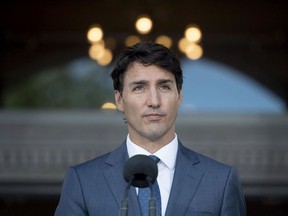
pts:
[153, 98]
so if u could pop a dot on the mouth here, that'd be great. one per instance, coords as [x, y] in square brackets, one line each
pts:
[153, 116]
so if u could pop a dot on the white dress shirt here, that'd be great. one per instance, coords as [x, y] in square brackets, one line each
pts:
[166, 166]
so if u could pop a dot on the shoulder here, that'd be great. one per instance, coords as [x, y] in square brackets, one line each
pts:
[204, 162]
[103, 161]
[95, 162]
[217, 172]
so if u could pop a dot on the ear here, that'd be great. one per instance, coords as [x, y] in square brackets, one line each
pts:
[118, 100]
[180, 97]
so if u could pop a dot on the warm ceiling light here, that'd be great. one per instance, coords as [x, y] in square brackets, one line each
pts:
[96, 50]
[194, 51]
[132, 40]
[95, 34]
[164, 40]
[193, 33]
[182, 44]
[109, 105]
[106, 58]
[144, 24]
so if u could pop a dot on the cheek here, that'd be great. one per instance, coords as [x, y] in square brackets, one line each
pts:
[131, 107]
[131, 114]
[172, 101]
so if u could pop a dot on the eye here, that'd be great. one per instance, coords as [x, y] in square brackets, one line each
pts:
[165, 87]
[138, 88]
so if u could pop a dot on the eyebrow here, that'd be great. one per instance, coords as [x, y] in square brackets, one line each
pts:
[144, 82]
[163, 81]
[138, 82]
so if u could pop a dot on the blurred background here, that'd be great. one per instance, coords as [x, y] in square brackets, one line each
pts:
[57, 105]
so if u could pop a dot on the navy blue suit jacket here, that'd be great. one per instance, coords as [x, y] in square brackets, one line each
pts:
[201, 187]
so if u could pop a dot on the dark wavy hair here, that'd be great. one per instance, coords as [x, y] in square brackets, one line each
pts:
[147, 53]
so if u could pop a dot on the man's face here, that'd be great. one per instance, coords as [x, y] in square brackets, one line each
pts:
[150, 103]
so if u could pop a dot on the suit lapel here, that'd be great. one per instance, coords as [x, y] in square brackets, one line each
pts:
[113, 172]
[185, 183]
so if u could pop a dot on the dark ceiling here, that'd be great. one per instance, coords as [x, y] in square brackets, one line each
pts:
[250, 36]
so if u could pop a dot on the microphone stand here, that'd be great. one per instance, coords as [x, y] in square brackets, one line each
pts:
[152, 209]
[124, 203]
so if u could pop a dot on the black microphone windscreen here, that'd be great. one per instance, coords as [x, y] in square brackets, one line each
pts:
[139, 167]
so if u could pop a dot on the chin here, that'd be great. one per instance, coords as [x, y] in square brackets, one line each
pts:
[155, 135]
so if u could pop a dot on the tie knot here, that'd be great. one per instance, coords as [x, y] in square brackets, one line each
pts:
[155, 158]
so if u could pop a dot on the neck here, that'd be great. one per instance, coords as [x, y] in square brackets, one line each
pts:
[152, 146]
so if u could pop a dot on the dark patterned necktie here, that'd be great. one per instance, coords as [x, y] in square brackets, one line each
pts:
[144, 195]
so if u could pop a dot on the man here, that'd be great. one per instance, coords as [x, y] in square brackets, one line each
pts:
[148, 91]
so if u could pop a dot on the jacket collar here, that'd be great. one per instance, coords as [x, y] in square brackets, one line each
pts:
[113, 173]
[186, 175]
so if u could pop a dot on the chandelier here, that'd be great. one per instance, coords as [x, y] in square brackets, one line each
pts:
[189, 44]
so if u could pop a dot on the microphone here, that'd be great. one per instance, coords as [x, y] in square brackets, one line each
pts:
[139, 171]
[139, 167]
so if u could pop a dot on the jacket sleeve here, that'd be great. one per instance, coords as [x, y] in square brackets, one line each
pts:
[71, 202]
[233, 202]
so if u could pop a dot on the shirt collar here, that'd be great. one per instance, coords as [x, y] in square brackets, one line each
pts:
[166, 154]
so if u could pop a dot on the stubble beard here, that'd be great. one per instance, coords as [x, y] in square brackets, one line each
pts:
[153, 132]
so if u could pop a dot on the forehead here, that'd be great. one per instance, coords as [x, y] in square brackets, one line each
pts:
[139, 71]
